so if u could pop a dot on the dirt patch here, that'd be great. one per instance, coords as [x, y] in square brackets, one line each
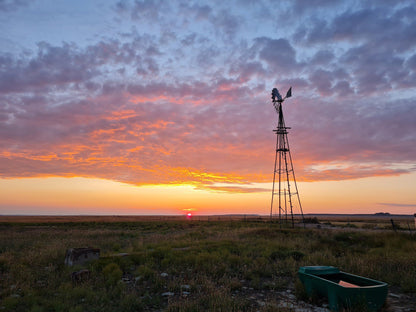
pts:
[286, 299]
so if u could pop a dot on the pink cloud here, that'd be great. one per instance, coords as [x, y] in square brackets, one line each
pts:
[119, 108]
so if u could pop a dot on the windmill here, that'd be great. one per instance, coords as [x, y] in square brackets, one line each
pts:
[286, 193]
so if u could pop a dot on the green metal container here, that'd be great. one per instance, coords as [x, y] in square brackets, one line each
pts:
[343, 289]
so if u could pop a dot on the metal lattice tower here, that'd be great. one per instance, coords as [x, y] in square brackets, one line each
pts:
[287, 193]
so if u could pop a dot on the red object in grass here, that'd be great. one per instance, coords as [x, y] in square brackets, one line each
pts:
[346, 284]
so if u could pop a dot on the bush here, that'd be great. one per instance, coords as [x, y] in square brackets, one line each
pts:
[112, 273]
[311, 220]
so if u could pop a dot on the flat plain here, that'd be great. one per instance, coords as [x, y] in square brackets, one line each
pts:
[215, 263]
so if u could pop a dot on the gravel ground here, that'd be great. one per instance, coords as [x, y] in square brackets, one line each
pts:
[396, 301]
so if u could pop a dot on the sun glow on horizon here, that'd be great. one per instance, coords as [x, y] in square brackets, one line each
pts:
[78, 195]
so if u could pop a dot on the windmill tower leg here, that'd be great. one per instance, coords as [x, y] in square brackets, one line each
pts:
[274, 180]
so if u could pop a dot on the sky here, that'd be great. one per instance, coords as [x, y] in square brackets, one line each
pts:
[163, 107]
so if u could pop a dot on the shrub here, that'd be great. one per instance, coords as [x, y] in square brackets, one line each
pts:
[311, 220]
[297, 255]
[112, 273]
[145, 272]
[300, 291]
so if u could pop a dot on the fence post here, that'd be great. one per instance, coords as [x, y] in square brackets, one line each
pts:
[393, 225]
[415, 220]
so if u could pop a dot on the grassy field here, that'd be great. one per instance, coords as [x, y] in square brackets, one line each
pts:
[173, 264]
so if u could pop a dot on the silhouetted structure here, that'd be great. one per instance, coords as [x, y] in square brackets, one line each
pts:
[283, 167]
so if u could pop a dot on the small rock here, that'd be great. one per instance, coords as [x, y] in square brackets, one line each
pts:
[126, 280]
[168, 294]
[286, 305]
[147, 296]
[121, 254]
[80, 276]
[164, 274]
[75, 256]
[41, 283]
[186, 287]
[185, 293]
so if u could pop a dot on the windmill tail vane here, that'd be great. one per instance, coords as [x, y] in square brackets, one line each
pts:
[289, 93]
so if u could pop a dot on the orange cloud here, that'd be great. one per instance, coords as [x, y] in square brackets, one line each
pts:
[162, 98]
[120, 115]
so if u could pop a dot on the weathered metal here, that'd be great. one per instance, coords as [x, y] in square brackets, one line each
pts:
[343, 289]
[283, 167]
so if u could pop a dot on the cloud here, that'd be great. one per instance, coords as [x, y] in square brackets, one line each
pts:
[279, 54]
[353, 139]
[329, 82]
[12, 5]
[300, 6]
[381, 26]
[235, 189]
[52, 65]
[322, 57]
[149, 10]
[375, 42]
[226, 23]
[59, 66]
[178, 102]
[397, 205]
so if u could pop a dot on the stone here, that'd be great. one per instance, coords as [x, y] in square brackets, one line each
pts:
[122, 254]
[168, 294]
[75, 256]
[127, 279]
[80, 276]
[41, 283]
[164, 274]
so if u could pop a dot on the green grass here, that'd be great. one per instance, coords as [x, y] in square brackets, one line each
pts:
[210, 266]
